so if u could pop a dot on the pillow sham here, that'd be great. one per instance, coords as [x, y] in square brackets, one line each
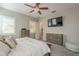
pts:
[10, 41]
[14, 40]
[4, 49]
[6, 43]
[1, 37]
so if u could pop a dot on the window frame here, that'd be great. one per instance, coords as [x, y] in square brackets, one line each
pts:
[8, 17]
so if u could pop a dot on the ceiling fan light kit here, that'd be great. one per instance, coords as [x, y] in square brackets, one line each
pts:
[36, 8]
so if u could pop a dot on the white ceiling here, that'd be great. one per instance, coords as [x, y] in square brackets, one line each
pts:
[21, 8]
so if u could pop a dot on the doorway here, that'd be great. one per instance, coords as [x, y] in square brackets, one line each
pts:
[36, 30]
[32, 29]
[41, 31]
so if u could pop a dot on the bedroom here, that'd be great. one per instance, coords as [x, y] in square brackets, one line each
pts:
[36, 25]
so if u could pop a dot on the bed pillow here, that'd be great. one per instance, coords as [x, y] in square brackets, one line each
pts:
[14, 40]
[1, 37]
[6, 43]
[10, 41]
[4, 49]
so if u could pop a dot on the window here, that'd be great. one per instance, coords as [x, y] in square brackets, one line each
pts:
[7, 25]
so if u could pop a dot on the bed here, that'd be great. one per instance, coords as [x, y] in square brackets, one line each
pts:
[26, 47]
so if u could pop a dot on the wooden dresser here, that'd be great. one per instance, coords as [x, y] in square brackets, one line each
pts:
[55, 38]
[24, 32]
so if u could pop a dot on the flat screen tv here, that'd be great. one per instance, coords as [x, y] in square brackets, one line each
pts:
[55, 22]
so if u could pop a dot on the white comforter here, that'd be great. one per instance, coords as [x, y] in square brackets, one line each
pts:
[29, 47]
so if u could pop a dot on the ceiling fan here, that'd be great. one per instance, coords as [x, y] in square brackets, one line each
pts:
[36, 8]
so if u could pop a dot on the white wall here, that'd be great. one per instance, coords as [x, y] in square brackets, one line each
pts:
[70, 27]
[21, 20]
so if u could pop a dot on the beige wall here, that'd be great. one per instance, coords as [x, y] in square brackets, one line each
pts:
[21, 20]
[70, 27]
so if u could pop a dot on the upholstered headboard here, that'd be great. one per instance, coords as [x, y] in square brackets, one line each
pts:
[55, 38]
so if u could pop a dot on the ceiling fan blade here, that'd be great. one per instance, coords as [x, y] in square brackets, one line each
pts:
[37, 4]
[39, 12]
[43, 8]
[28, 5]
[53, 11]
[31, 11]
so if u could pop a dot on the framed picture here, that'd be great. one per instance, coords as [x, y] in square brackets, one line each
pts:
[49, 22]
[54, 22]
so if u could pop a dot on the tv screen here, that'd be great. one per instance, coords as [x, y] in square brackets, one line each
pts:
[53, 22]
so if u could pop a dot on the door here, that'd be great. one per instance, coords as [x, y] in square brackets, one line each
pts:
[41, 31]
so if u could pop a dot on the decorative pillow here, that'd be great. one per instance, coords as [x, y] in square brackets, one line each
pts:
[4, 49]
[14, 40]
[6, 43]
[1, 37]
[10, 42]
